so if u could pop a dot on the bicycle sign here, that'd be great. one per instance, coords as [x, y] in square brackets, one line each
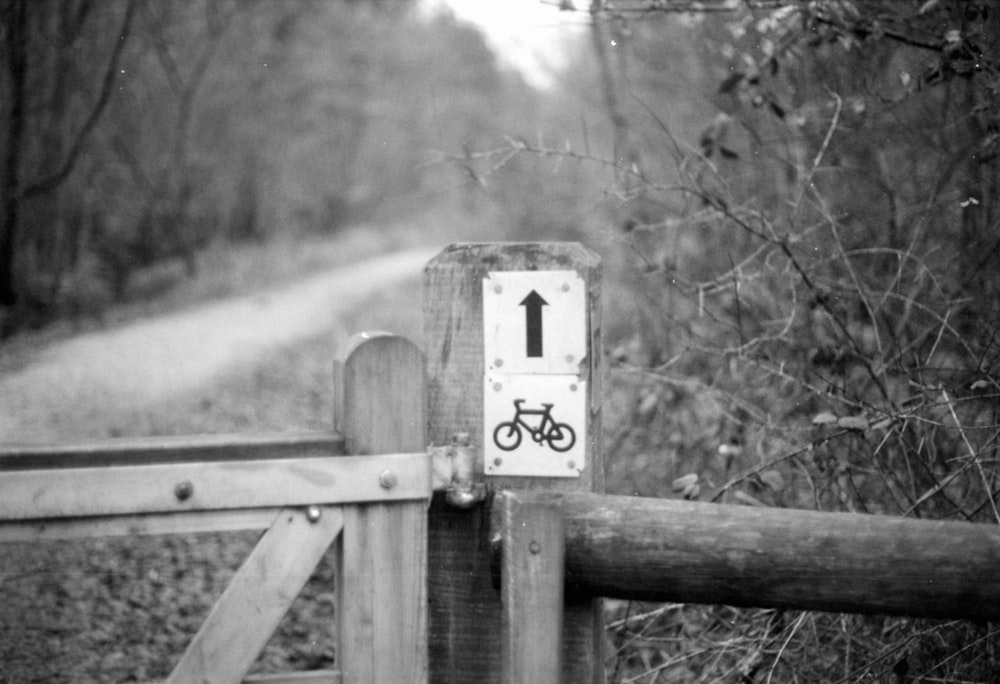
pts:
[559, 436]
[534, 425]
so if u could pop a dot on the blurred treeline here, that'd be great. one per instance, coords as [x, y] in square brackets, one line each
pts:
[138, 132]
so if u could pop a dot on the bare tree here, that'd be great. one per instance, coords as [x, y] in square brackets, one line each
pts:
[22, 22]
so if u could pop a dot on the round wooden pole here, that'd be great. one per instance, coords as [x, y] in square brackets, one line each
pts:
[666, 550]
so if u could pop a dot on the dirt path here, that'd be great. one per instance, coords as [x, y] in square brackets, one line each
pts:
[165, 357]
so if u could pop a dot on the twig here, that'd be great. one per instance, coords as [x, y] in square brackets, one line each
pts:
[784, 645]
[972, 454]
[820, 153]
[107, 86]
[735, 480]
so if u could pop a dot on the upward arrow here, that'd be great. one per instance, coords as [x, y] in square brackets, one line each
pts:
[533, 304]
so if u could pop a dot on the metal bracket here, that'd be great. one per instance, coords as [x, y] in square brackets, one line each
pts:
[454, 472]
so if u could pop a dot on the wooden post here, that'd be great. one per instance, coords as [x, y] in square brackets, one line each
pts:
[381, 576]
[532, 587]
[465, 621]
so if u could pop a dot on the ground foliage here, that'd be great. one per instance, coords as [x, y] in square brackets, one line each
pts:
[816, 313]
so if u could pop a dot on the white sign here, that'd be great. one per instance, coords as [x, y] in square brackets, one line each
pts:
[535, 425]
[534, 322]
[535, 344]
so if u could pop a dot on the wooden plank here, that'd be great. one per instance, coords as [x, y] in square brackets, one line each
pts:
[123, 490]
[381, 579]
[258, 597]
[689, 552]
[134, 525]
[465, 609]
[312, 677]
[170, 449]
[309, 677]
[531, 587]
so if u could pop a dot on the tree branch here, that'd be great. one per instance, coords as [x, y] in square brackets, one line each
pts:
[107, 86]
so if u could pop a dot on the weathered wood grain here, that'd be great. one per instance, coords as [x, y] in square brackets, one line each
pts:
[170, 449]
[532, 587]
[134, 525]
[256, 599]
[464, 606]
[382, 570]
[678, 551]
[125, 490]
[312, 677]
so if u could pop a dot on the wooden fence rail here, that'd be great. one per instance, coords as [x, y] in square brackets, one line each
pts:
[687, 552]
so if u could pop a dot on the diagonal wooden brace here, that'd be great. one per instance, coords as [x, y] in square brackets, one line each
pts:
[258, 597]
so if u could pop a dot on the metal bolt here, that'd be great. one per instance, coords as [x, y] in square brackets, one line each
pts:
[534, 547]
[569, 358]
[497, 387]
[497, 461]
[571, 465]
[498, 362]
[183, 490]
[313, 513]
[574, 387]
[565, 287]
[497, 289]
[388, 479]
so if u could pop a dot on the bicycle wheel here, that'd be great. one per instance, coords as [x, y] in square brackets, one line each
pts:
[561, 437]
[507, 436]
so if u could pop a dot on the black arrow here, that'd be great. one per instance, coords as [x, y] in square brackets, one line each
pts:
[533, 304]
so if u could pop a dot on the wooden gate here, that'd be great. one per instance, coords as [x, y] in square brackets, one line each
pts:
[357, 489]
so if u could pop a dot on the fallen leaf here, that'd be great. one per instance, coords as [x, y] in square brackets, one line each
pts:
[824, 418]
[853, 423]
[745, 498]
[684, 481]
[773, 479]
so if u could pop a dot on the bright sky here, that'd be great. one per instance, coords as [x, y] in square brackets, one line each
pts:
[530, 36]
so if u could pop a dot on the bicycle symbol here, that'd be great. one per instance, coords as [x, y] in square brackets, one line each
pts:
[559, 436]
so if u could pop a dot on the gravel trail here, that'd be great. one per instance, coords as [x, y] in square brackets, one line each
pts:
[167, 356]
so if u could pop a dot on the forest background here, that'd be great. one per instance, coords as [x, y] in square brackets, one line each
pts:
[796, 202]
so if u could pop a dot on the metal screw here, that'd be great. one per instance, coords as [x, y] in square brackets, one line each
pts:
[534, 547]
[183, 490]
[497, 387]
[565, 287]
[388, 479]
[498, 362]
[574, 387]
[569, 358]
[497, 461]
[313, 513]
[571, 465]
[497, 289]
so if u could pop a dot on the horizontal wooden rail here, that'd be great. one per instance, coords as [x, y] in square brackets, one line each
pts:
[310, 677]
[665, 550]
[169, 449]
[187, 522]
[212, 485]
